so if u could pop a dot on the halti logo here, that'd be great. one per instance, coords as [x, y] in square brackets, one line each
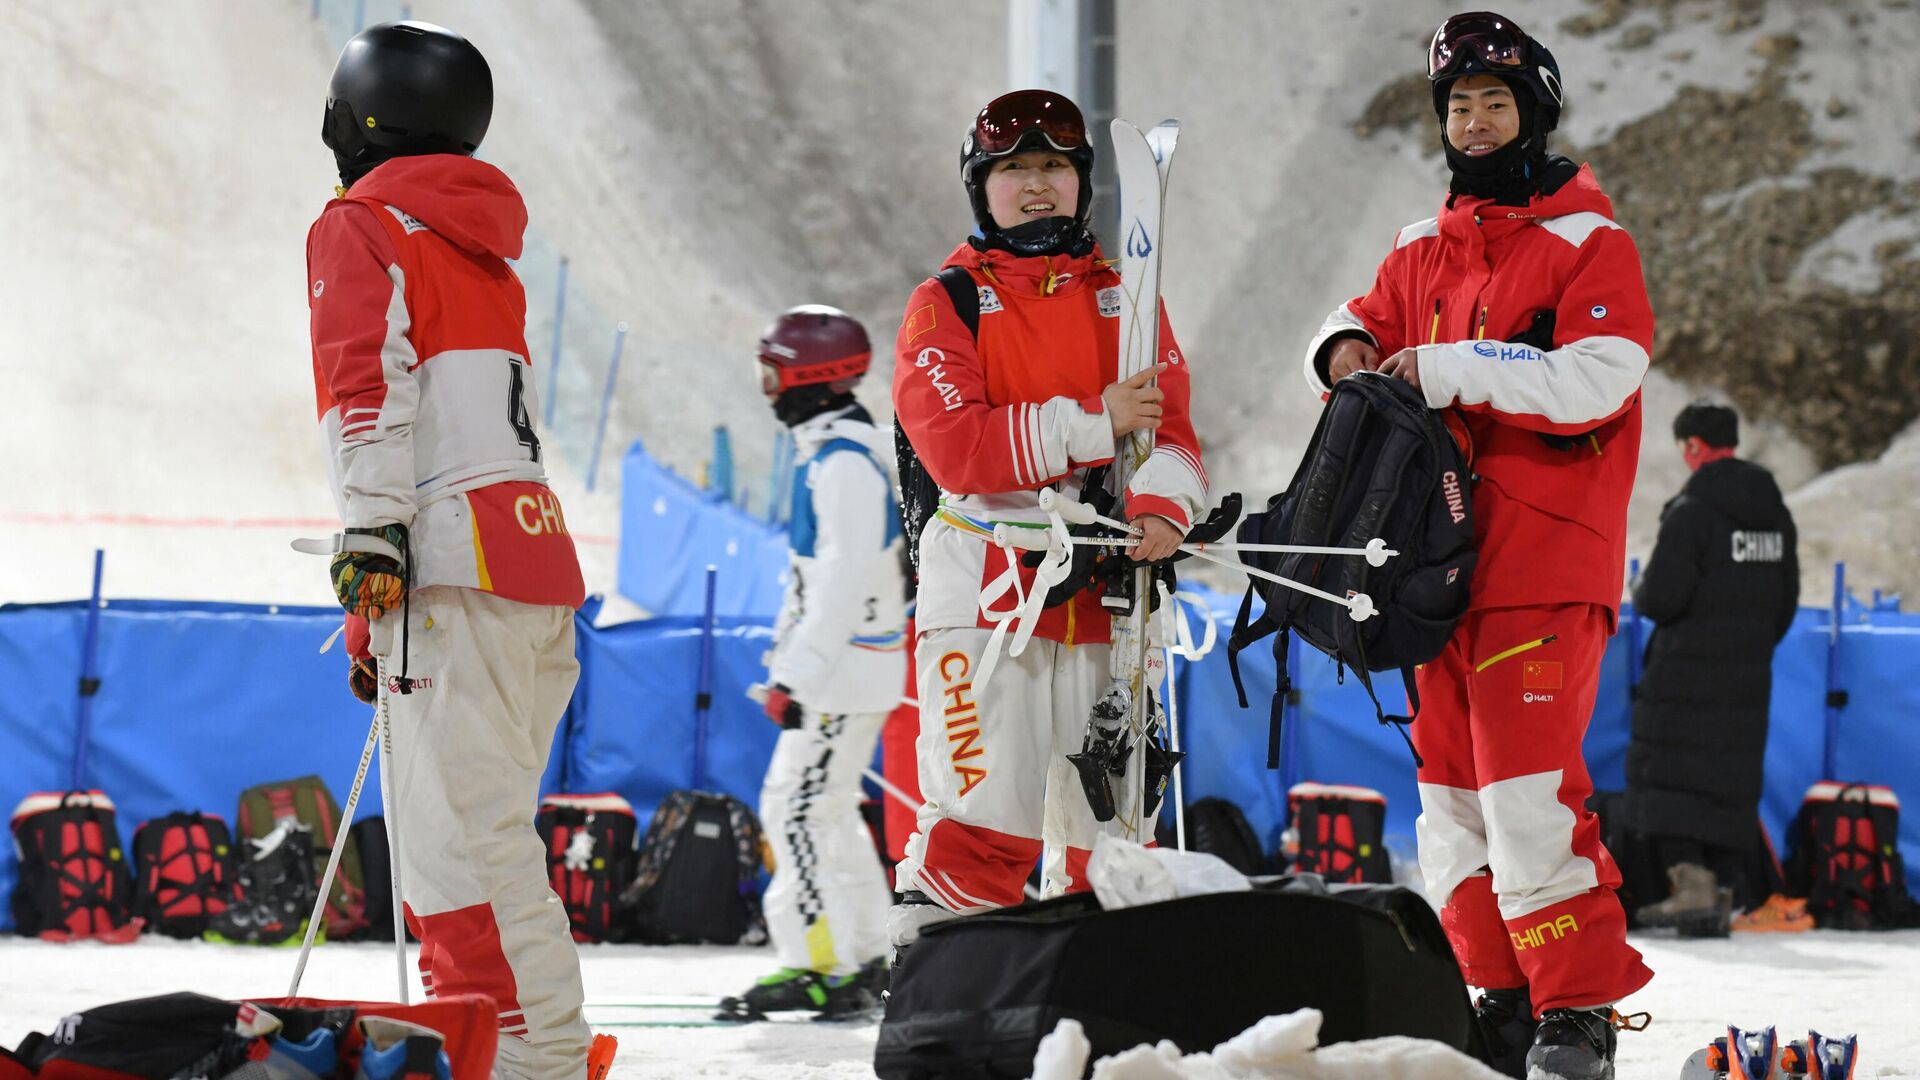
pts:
[1599, 311]
[1456, 500]
[318, 288]
[1502, 351]
[1485, 348]
[1139, 244]
[949, 393]
[989, 300]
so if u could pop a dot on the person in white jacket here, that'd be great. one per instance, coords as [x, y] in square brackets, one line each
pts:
[839, 663]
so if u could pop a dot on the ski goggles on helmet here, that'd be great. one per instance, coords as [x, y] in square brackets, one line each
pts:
[1491, 39]
[1011, 118]
[779, 373]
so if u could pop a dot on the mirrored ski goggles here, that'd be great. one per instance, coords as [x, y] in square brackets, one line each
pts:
[1481, 35]
[1010, 118]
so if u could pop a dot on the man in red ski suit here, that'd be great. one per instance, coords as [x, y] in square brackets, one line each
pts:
[426, 403]
[1519, 309]
[1030, 401]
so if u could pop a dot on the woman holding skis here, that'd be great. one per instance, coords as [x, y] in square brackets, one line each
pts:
[1009, 392]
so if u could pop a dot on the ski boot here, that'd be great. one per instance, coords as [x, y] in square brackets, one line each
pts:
[1699, 906]
[1738, 1055]
[828, 997]
[1104, 755]
[1578, 1044]
[1820, 1058]
[1506, 1023]
[1160, 763]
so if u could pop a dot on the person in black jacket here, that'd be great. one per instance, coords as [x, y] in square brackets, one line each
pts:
[1721, 588]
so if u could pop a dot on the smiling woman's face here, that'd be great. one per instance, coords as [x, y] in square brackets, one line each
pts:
[1481, 115]
[1032, 185]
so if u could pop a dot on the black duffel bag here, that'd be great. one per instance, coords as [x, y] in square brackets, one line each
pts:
[974, 996]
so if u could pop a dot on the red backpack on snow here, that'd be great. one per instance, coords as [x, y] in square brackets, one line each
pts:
[184, 872]
[74, 881]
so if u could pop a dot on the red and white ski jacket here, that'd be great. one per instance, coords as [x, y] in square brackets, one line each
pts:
[997, 417]
[1550, 522]
[426, 394]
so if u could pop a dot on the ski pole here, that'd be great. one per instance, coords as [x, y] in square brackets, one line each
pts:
[394, 860]
[339, 848]
[1360, 607]
[1173, 726]
[1376, 552]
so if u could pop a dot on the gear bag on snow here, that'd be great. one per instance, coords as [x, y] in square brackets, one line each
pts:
[590, 860]
[1218, 827]
[1340, 833]
[1846, 858]
[181, 1035]
[973, 997]
[699, 874]
[183, 872]
[274, 890]
[1381, 464]
[74, 881]
[308, 801]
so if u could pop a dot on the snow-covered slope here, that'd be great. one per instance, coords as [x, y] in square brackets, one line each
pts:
[704, 165]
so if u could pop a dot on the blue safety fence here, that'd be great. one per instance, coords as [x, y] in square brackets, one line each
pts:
[197, 702]
[671, 530]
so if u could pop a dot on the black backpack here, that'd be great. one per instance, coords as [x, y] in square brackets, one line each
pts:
[183, 872]
[919, 495]
[74, 882]
[699, 876]
[1340, 833]
[1218, 827]
[1846, 858]
[590, 859]
[1380, 464]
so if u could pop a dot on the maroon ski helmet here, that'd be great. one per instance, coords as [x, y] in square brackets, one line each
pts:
[812, 345]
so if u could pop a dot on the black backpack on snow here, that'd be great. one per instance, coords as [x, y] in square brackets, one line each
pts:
[74, 882]
[699, 875]
[1218, 827]
[590, 860]
[1380, 464]
[183, 872]
[1846, 858]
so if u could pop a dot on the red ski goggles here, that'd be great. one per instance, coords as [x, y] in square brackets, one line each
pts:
[1010, 118]
[1481, 35]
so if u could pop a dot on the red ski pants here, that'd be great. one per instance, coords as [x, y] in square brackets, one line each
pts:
[1507, 845]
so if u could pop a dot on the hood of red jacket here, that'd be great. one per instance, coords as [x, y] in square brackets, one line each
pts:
[1578, 195]
[469, 202]
[1030, 274]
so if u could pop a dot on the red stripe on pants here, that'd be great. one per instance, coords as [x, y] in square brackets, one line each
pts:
[460, 954]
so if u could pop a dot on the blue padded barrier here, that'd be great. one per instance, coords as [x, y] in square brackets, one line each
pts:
[670, 531]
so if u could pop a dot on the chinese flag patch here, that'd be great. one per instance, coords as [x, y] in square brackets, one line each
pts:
[1540, 675]
[918, 323]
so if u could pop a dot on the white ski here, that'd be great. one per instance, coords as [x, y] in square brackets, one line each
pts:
[1141, 162]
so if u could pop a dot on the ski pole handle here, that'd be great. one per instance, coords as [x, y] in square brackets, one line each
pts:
[1070, 510]
[1011, 536]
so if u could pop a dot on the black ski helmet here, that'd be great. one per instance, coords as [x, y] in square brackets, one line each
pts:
[1487, 43]
[1019, 121]
[405, 88]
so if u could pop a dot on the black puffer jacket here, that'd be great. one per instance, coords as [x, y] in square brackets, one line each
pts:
[1721, 589]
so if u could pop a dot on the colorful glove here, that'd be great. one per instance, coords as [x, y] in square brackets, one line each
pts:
[363, 675]
[781, 708]
[370, 585]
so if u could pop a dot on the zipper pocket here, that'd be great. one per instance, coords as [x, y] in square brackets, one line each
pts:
[1513, 652]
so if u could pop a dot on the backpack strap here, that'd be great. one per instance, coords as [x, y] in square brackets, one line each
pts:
[1282, 689]
[965, 295]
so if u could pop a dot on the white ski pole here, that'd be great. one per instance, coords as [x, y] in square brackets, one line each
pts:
[394, 861]
[339, 848]
[1173, 722]
[1360, 607]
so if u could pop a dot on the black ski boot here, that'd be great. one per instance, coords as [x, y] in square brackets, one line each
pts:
[828, 997]
[1103, 757]
[1574, 1044]
[1507, 1026]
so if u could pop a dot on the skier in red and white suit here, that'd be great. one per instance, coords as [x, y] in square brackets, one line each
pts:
[426, 402]
[1521, 310]
[1033, 401]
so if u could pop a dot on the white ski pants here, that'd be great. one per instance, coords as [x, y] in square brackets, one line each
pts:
[492, 678]
[994, 773]
[827, 904]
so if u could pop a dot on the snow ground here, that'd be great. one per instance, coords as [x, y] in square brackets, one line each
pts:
[1834, 981]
